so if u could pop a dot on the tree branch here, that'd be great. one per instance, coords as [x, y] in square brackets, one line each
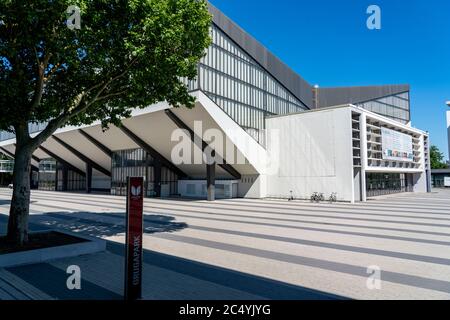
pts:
[82, 108]
[56, 123]
[110, 95]
[77, 107]
[39, 90]
[51, 72]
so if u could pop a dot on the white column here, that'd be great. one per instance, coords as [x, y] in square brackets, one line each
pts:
[448, 131]
[364, 162]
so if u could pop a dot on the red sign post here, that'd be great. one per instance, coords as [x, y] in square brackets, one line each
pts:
[133, 255]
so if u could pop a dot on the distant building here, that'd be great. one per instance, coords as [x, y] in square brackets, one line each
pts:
[438, 177]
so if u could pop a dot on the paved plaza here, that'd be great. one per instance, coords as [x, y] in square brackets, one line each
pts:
[246, 249]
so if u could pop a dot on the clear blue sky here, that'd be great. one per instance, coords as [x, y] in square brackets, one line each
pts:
[327, 43]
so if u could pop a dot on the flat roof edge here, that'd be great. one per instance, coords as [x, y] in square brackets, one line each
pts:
[358, 109]
[290, 79]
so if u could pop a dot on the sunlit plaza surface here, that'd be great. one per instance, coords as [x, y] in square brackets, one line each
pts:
[247, 249]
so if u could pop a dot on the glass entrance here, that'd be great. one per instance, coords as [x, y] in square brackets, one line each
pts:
[138, 163]
[379, 184]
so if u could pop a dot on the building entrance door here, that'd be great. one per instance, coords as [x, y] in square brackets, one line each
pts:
[379, 184]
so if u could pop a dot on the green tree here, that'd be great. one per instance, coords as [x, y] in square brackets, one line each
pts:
[127, 54]
[437, 158]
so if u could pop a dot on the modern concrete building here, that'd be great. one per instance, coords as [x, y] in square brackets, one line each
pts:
[346, 151]
[440, 178]
[281, 137]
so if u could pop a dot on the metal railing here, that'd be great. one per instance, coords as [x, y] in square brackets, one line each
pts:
[6, 166]
[380, 187]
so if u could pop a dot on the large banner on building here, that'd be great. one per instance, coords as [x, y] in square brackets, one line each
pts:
[396, 146]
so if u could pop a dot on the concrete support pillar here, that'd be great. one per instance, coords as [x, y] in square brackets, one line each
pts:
[429, 182]
[448, 132]
[364, 161]
[33, 173]
[31, 180]
[211, 181]
[65, 177]
[58, 168]
[157, 171]
[88, 178]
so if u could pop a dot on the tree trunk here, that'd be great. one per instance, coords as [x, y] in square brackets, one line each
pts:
[20, 203]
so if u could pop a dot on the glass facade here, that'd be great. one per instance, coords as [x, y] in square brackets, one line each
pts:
[241, 87]
[5, 179]
[128, 163]
[6, 166]
[47, 175]
[395, 107]
[387, 183]
[75, 181]
[137, 162]
[55, 176]
[438, 179]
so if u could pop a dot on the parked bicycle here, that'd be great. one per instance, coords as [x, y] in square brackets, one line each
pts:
[291, 198]
[317, 197]
[333, 197]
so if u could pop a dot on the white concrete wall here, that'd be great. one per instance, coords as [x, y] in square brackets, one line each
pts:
[422, 152]
[101, 182]
[364, 160]
[252, 187]
[448, 132]
[357, 184]
[419, 181]
[315, 155]
[197, 189]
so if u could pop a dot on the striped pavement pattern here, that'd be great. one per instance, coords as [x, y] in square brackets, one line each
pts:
[247, 249]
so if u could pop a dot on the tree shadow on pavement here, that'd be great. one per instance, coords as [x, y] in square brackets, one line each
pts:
[99, 224]
[166, 273]
[4, 202]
